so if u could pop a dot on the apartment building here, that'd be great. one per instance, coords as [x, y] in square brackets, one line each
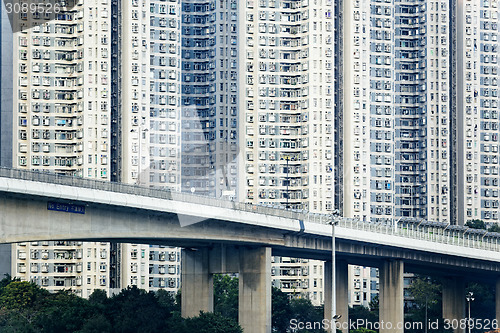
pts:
[180, 99]
[364, 285]
[383, 109]
[61, 123]
[150, 267]
[6, 87]
[396, 113]
[6, 115]
[288, 105]
[417, 105]
[298, 278]
[419, 98]
[67, 109]
[286, 118]
[477, 115]
[59, 265]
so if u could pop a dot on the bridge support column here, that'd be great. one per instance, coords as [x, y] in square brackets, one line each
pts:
[391, 297]
[255, 290]
[197, 283]
[497, 297]
[454, 300]
[341, 293]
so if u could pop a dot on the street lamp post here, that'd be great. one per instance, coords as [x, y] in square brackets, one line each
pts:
[470, 298]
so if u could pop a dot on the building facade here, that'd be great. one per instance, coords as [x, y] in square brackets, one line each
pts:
[61, 124]
[286, 118]
[150, 267]
[67, 107]
[287, 125]
[6, 114]
[418, 99]
[477, 116]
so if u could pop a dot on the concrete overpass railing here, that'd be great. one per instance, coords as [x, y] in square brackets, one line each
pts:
[414, 229]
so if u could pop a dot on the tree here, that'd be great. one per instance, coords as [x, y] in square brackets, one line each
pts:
[17, 295]
[99, 298]
[135, 310]
[208, 322]
[6, 280]
[476, 224]
[424, 292]
[25, 307]
[64, 312]
[374, 304]
[97, 324]
[226, 296]
[363, 313]
[281, 311]
[483, 306]
[21, 304]
[426, 304]
[494, 228]
[362, 330]
[304, 311]
[168, 302]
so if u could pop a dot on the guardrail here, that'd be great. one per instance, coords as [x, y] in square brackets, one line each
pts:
[489, 241]
[53, 178]
[464, 237]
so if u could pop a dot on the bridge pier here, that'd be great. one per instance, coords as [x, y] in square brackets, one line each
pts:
[391, 306]
[341, 293]
[255, 290]
[454, 300]
[197, 283]
[497, 298]
[254, 267]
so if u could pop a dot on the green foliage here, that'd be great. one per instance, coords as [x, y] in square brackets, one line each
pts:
[424, 292]
[476, 224]
[26, 308]
[282, 311]
[98, 298]
[374, 304]
[479, 224]
[483, 306]
[210, 323]
[63, 312]
[362, 330]
[6, 280]
[18, 295]
[168, 302]
[134, 309]
[494, 228]
[97, 324]
[363, 313]
[427, 300]
[303, 310]
[226, 296]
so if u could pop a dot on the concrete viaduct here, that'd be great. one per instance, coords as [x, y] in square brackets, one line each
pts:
[229, 237]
